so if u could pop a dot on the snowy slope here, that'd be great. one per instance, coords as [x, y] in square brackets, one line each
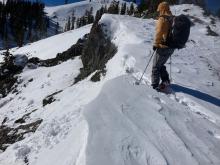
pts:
[61, 13]
[115, 122]
[49, 47]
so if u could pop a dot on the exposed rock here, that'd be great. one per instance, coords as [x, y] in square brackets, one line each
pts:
[96, 77]
[11, 66]
[71, 53]
[49, 99]
[21, 121]
[210, 32]
[23, 118]
[5, 119]
[96, 53]
[10, 135]
[6, 84]
[20, 60]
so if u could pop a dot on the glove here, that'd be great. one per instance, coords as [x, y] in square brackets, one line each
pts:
[154, 48]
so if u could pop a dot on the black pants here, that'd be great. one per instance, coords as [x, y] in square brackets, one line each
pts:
[159, 69]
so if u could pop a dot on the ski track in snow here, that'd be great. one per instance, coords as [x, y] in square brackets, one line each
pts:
[114, 122]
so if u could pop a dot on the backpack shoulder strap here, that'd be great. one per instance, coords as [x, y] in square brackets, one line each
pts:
[168, 18]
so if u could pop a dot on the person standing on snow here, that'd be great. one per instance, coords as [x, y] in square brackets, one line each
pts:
[163, 52]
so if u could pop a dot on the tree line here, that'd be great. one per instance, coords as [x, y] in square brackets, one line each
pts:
[22, 20]
[150, 6]
[88, 18]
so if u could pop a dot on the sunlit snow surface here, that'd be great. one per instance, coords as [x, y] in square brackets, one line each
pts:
[114, 122]
[61, 13]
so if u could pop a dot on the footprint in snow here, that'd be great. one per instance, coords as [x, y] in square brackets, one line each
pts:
[177, 70]
[129, 63]
[159, 100]
[217, 136]
[209, 83]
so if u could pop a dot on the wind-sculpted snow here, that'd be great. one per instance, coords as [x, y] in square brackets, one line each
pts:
[136, 125]
[114, 121]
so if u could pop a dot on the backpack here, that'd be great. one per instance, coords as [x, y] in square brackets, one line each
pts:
[179, 31]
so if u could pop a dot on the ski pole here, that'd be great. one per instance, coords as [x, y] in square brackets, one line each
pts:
[170, 69]
[138, 82]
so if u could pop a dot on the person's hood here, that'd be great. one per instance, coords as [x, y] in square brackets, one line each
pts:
[164, 9]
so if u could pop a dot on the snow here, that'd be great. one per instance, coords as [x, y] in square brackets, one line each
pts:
[61, 13]
[114, 121]
[49, 47]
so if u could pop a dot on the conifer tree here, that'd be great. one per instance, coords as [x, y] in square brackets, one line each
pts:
[57, 28]
[73, 20]
[68, 26]
[114, 7]
[123, 9]
[131, 11]
[23, 17]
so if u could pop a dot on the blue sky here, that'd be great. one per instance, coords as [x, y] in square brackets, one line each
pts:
[212, 4]
[56, 2]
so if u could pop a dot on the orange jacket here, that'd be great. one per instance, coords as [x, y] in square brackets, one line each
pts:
[162, 26]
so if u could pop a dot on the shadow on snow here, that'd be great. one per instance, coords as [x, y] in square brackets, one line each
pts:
[197, 94]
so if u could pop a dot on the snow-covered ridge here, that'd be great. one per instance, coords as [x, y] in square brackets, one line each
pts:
[114, 122]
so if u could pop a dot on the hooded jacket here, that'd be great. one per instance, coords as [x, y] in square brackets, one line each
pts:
[162, 26]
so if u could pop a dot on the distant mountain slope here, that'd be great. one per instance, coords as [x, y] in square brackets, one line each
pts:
[113, 121]
[61, 13]
[49, 47]
[195, 2]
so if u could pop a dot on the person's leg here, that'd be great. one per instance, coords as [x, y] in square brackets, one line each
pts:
[155, 76]
[160, 58]
[164, 75]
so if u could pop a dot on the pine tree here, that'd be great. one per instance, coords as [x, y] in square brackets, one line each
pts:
[131, 11]
[90, 16]
[73, 20]
[68, 26]
[78, 23]
[137, 13]
[57, 28]
[105, 10]
[123, 8]
[144, 4]
[114, 7]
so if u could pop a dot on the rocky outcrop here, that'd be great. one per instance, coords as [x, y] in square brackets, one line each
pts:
[96, 53]
[95, 50]
[9, 135]
[8, 72]
[71, 53]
